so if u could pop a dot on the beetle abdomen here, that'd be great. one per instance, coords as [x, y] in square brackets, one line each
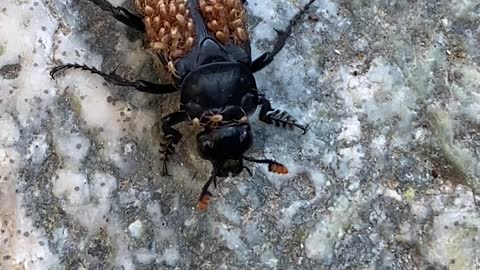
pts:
[169, 26]
[225, 19]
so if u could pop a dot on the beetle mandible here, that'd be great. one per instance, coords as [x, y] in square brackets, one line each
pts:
[205, 46]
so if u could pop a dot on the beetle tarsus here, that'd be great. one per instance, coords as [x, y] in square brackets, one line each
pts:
[171, 136]
[166, 149]
[282, 35]
[278, 117]
[273, 166]
[212, 179]
[140, 85]
[205, 196]
[121, 14]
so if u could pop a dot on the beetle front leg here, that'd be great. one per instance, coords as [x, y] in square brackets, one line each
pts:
[277, 117]
[171, 136]
[140, 85]
[121, 14]
[282, 36]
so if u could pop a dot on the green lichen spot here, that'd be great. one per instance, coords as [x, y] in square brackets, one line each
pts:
[75, 104]
[409, 194]
[2, 50]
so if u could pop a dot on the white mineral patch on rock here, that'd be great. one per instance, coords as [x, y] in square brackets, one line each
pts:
[37, 149]
[72, 147]
[290, 211]
[10, 132]
[136, 228]
[351, 130]
[26, 247]
[228, 212]
[232, 238]
[456, 233]
[321, 240]
[86, 200]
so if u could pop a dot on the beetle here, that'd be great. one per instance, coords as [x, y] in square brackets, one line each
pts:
[205, 47]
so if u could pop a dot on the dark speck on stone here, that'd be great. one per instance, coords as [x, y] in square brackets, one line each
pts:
[78, 146]
[77, 188]
[10, 72]
[44, 28]
[26, 234]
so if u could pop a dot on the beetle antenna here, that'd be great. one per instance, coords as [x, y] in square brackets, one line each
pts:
[273, 166]
[248, 170]
[194, 176]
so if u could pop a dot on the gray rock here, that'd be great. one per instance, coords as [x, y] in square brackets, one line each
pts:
[386, 178]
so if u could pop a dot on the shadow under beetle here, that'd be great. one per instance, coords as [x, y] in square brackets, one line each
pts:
[205, 46]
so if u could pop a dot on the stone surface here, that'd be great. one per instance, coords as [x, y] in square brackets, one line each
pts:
[386, 177]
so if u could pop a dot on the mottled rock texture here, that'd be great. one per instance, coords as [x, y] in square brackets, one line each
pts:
[386, 177]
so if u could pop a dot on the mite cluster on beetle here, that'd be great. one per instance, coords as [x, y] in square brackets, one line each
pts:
[168, 25]
[205, 46]
[226, 19]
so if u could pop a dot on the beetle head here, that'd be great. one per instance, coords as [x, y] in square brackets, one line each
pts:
[224, 147]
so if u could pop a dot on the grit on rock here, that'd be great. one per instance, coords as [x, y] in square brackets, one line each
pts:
[385, 178]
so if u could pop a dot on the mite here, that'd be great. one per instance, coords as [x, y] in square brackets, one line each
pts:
[205, 46]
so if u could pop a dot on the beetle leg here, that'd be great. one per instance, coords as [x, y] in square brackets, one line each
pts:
[140, 85]
[205, 195]
[121, 14]
[171, 136]
[277, 117]
[282, 36]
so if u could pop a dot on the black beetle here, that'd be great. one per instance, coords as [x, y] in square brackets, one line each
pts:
[205, 46]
